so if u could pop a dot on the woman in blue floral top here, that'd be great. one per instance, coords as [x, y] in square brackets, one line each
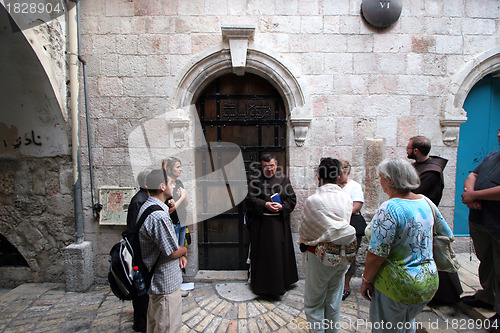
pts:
[400, 275]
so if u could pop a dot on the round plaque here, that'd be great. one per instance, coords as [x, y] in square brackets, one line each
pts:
[381, 13]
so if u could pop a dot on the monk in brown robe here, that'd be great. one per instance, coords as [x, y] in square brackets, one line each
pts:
[430, 171]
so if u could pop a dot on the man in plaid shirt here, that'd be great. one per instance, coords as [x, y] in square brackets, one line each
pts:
[163, 257]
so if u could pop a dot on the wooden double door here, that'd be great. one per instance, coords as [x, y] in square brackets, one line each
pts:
[248, 112]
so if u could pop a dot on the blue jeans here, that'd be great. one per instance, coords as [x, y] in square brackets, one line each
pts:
[180, 232]
[323, 294]
[387, 315]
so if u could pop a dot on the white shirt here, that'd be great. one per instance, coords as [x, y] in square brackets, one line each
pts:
[353, 188]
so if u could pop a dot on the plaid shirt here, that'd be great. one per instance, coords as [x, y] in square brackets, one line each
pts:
[158, 241]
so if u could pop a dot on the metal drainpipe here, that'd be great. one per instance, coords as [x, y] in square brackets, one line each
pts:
[75, 117]
[96, 207]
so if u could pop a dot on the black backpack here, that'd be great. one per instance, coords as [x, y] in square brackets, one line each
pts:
[124, 255]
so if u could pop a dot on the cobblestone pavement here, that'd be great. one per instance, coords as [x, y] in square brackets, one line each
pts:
[47, 307]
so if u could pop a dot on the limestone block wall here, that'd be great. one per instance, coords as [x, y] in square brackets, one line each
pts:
[363, 84]
[36, 201]
[36, 216]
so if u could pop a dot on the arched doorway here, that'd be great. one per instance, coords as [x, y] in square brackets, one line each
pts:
[247, 111]
[477, 139]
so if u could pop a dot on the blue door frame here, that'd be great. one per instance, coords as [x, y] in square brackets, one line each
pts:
[477, 139]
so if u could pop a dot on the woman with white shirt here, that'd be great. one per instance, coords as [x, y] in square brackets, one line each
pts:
[355, 191]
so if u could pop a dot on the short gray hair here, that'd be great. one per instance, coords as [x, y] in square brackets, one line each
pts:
[401, 174]
[142, 176]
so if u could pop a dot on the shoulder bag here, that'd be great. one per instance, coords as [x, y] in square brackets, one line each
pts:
[444, 256]
[359, 223]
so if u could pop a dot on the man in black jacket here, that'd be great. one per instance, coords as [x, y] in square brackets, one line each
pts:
[140, 303]
[482, 196]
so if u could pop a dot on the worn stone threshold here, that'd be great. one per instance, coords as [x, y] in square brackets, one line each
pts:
[212, 276]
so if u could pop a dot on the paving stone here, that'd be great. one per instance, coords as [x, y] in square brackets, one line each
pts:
[213, 305]
[270, 322]
[229, 312]
[262, 324]
[219, 308]
[214, 324]
[233, 326]
[252, 325]
[224, 325]
[48, 308]
[204, 323]
[277, 319]
[242, 311]
[212, 298]
[198, 317]
[288, 318]
[290, 310]
[252, 310]
[191, 313]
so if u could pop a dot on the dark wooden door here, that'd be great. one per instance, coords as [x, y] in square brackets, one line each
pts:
[249, 112]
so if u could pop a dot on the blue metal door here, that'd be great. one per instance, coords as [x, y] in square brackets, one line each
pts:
[477, 139]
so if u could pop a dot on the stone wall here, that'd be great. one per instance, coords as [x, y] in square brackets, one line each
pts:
[363, 84]
[36, 216]
[36, 199]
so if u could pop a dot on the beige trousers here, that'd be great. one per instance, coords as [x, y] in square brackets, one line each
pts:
[165, 313]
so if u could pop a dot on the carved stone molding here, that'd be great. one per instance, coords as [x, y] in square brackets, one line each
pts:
[300, 127]
[180, 128]
[452, 112]
[451, 128]
[238, 37]
[260, 60]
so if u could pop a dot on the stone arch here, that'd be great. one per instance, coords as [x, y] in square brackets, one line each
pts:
[219, 60]
[452, 112]
[46, 39]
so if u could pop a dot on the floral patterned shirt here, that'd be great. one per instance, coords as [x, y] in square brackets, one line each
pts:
[402, 232]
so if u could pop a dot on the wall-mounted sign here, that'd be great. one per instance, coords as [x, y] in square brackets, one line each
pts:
[115, 201]
[381, 13]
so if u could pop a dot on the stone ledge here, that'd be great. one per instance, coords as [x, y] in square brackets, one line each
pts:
[209, 276]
